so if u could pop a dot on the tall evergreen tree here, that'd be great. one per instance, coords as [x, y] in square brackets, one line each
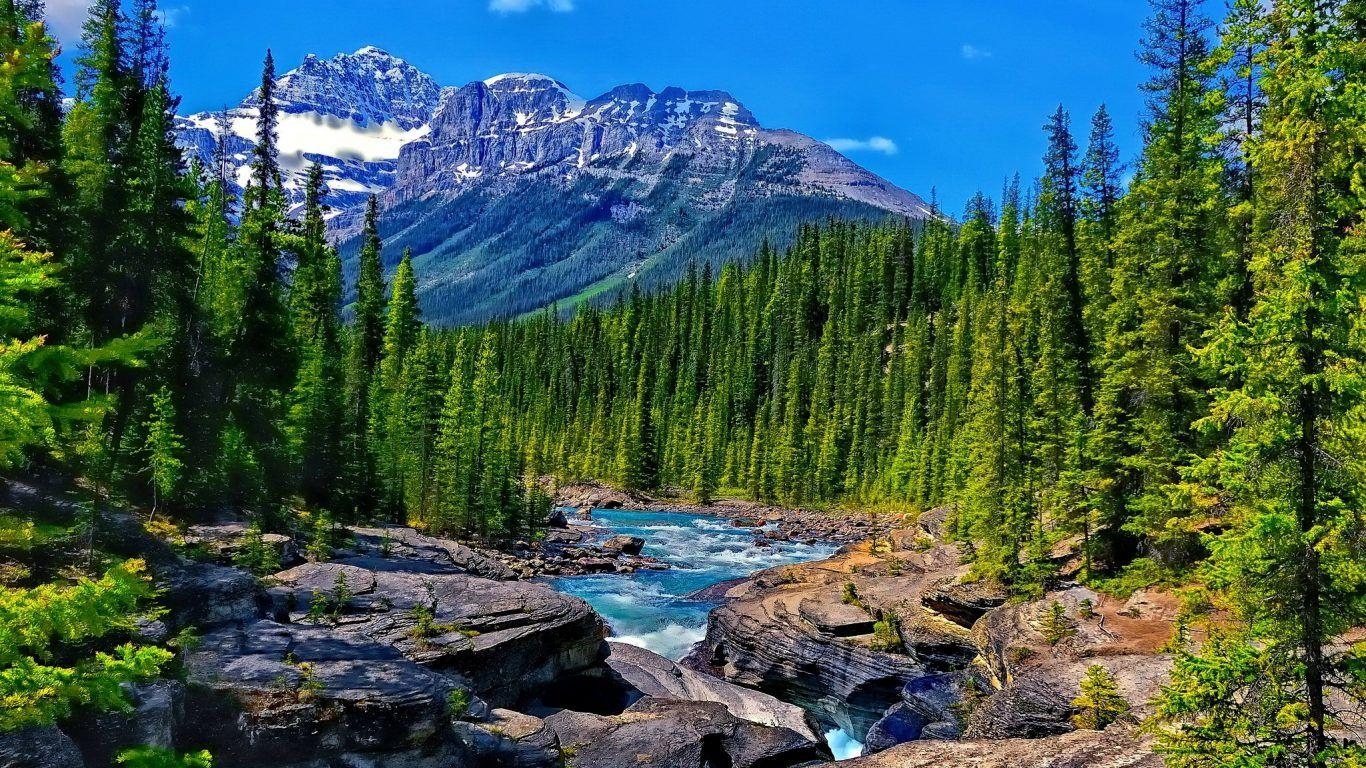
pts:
[1168, 268]
[315, 299]
[1288, 475]
[366, 343]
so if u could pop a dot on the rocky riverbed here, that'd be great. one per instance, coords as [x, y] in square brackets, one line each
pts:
[839, 526]
[900, 647]
[403, 650]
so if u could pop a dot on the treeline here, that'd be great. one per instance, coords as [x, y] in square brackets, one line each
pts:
[1153, 384]
[216, 370]
[172, 348]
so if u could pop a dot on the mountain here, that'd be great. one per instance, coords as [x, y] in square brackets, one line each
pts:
[513, 192]
[352, 113]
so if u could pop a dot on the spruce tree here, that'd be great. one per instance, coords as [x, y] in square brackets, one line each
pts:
[315, 305]
[1164, 298]
[1287, 478]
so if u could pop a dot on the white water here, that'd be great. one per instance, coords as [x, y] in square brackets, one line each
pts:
[651, 609]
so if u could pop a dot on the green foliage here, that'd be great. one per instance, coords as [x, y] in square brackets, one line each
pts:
[1056, 625]
[164, 448]
[1100, 702]
[256, 555]
[458, 703]
[43, 631]
[849, 595]
[328, 607]
[887, 634]
[155, 757]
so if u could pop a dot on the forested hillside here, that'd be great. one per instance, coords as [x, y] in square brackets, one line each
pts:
[1162, 381]
[1157, 382]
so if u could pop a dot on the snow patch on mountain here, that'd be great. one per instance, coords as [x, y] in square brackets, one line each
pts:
[376, 124]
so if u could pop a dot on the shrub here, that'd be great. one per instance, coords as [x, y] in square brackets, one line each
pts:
[1056, 626]
[887, 634]
[1100, 703]
[850, 595]
[329, 606]
[155, 757]
[256, 555]
[458, 703]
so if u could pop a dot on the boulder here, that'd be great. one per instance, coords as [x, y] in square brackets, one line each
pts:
[655, 676]
[504, 638]
[275, 694]
[762, 641]
[626, 545]
[556, 519]
[38, 748]
[406, 544]
[206, 595]
[670, 734]
[224, 541]
[927, 711]
[836, 618]
[155, 718]
[510, 739]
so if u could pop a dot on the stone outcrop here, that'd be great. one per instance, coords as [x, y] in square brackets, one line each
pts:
[657, 677]
[805, 633]
[39, 748]
[1037, 664]
[669, 734]
[1111, 748]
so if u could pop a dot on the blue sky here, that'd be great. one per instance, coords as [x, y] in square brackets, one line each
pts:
[945, 93]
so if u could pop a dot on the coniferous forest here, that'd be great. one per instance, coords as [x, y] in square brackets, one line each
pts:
[1155, 364]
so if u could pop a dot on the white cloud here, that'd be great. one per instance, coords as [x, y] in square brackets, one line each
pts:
[972, 52]
[65, 17]
[522, 6]
[871, 144]
[171, 17]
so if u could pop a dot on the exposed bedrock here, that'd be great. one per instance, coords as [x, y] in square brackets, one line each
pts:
[808, 633]
[385, 660]
[671, 733]
[1114, 747]
[655, 676]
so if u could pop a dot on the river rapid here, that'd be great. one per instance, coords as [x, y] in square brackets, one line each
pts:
[652, 609]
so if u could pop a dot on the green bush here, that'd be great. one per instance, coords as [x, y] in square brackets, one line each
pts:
[1100, 703]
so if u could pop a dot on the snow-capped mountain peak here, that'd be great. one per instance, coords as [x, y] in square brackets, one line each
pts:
[377, 124]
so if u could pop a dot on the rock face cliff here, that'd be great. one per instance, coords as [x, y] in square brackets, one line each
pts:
[895, 643]
[514, 192]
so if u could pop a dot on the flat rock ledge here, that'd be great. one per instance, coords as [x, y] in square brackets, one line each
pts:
[1112, 748]
[385, 659]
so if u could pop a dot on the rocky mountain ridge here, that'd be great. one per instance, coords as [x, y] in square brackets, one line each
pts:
[514, 192]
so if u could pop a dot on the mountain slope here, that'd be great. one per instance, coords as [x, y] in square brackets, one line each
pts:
[513, 192]
[352, 113]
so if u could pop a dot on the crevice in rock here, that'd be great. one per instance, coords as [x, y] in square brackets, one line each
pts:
[596, 692]
[714, 753]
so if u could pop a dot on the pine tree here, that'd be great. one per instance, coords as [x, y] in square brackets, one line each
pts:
[260, 358]
[1100, 702]
[315, 304]
[1164, 298]
[365, 344]
[400, 336]
[1286, 477]
[164, 449]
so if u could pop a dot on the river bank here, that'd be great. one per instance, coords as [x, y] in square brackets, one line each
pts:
[837, 525]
